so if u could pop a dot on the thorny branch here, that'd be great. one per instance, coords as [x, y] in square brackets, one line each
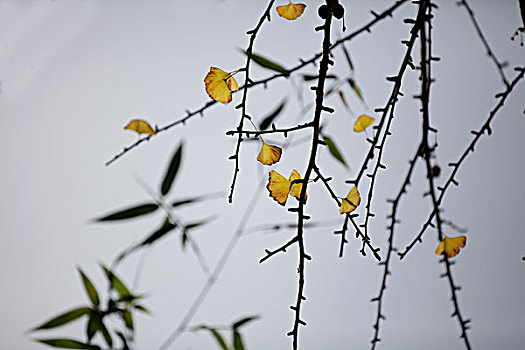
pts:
[426, 81]
[389, 107]
[499, 65]
[386, 264]
[349, 216]
[242, 105]
[301, 217]
[456, 165]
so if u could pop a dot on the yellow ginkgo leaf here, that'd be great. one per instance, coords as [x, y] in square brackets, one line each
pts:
[352, 200]
[290, 11]
[295, 189]
[363, 122]
[279, 187]
[269, 154]
[451, 245]
[140, 126]
[220, 84]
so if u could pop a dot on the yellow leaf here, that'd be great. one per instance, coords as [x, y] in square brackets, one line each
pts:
[295, 190]
[219, 85]
[279, 187]
[451, 245]
[140, 126]
[363, 122]
[352, 200]
[269, 154]
[291, 11]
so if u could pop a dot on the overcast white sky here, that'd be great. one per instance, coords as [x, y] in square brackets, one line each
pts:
[74, 72]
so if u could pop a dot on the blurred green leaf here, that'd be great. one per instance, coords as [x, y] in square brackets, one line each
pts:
[244, 320]
[128, 319]
[197, 199]
[166, 227]
[90, 289]
[237, 341]
[268, 64]
[172, 170]
[93, 325]
[267, 121]
[116, 283]
[308, 77]
[64, 318]
[142, 308]
[219, 339]
[356, 89]
[64, 343]
[198, 223]
[334, 150]
[105, 333]
[122, 337]
[132, 212]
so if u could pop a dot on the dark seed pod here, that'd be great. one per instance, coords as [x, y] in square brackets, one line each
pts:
[332, 3]
[338, 11]
[323, 11]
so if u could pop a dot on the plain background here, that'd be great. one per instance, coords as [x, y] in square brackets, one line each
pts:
[74, 72]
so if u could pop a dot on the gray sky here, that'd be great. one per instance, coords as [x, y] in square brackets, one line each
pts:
[74, 72]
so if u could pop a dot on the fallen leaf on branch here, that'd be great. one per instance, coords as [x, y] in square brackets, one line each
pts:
[269, 154]
[140, 126]
[279, 187]
[352, 200]
[291, 11]
[451, 245]
[220, 84]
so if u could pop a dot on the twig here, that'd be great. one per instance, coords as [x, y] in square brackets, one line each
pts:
[491, 54]
[242, 105]
[386, 263]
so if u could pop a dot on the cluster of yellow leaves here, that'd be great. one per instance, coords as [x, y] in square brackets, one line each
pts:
[279, 187]
[269, 154]
[219, 85]
[291, 11]
[451, 245]
[140, 126]
[352, 200]
[363, 122]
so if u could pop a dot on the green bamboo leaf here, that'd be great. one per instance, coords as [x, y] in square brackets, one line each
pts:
[268, 64]
[106, 334]
[64, 318]
[334, 150]
[63, 343]
[237, 341]
[267, 121]
[244, 320]
[172, 170]
[166, 227]
[90, 289]
[356, 89]
[198, 223]
[218, 337]
[93, 325]
[132, 212]
[116, 283]
[128, 319]
[142, 308]
[197, 199]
